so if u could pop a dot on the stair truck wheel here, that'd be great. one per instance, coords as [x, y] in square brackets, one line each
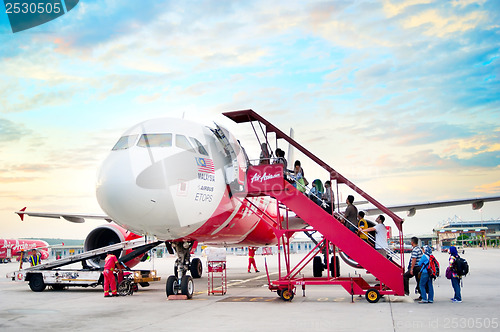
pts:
[372, 295]
[36, 283]
[317, 267]
[171, 284]
[286, 295]
[187, 286]
[196, 268]
[337, 265]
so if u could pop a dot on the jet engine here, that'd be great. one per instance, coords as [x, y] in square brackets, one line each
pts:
[477, 205]
[106, 235]
[411, 212]
[44, 254]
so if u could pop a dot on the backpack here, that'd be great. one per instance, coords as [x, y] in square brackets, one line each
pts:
[433, 267]
[461, 266]
[302, 185]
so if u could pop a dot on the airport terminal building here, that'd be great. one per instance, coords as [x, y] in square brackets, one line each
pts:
[469, 233]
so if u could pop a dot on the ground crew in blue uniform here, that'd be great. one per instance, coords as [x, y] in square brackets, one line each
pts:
[35, 258]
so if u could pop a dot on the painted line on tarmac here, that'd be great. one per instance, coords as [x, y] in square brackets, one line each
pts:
[250, 299]
[239, 282]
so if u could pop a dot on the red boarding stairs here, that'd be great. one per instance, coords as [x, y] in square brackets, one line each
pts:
[389, 273]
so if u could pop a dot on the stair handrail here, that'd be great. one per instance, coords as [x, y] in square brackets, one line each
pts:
[388, 250]
[341, 216]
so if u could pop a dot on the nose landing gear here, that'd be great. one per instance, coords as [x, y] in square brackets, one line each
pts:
[183, 286]
[180, 282]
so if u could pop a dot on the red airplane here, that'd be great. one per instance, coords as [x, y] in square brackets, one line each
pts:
[11, 248]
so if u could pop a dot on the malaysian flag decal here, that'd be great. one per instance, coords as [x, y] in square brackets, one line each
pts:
[205, 165]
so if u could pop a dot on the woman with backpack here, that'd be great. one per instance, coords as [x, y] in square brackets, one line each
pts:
[455, 278]
[298, 175]
[426, 288]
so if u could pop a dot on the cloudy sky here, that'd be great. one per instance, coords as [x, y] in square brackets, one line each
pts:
[401, 97]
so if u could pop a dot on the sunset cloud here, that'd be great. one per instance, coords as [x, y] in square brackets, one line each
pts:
[490, 188]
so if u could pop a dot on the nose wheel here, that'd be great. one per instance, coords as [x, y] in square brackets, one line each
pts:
[182, 286]
[180, 283]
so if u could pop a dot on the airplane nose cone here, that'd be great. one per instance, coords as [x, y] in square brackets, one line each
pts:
[135, 191]
[117, 192]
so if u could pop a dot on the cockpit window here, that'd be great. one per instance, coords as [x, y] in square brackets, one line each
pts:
[182, 142]
[125, 142]
[199, 147]
[155, 141]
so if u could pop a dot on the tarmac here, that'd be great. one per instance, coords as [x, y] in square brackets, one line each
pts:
[248, 304]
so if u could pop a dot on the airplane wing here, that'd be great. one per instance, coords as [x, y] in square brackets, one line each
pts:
[72, 217]
[411, 209]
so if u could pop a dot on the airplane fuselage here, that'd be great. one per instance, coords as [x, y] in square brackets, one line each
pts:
[171, 178]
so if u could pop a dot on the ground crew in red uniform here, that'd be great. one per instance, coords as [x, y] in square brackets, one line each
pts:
[110, 264]
[35, 258]
[251, 259]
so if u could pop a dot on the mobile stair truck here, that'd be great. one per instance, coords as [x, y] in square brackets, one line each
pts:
[311, 217]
